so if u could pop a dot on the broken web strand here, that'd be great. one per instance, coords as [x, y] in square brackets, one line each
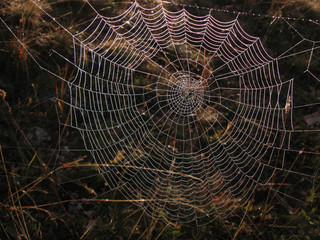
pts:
[136, 49]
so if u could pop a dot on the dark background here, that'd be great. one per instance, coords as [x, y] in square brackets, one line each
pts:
[49, 186]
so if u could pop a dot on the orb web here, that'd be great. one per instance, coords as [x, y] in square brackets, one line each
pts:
[186, 114]
[193, 137]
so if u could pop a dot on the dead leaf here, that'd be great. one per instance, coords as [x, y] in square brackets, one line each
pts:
[3, 94]
[120, 156]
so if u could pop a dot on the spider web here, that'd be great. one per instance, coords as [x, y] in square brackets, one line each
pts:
[186, 114]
